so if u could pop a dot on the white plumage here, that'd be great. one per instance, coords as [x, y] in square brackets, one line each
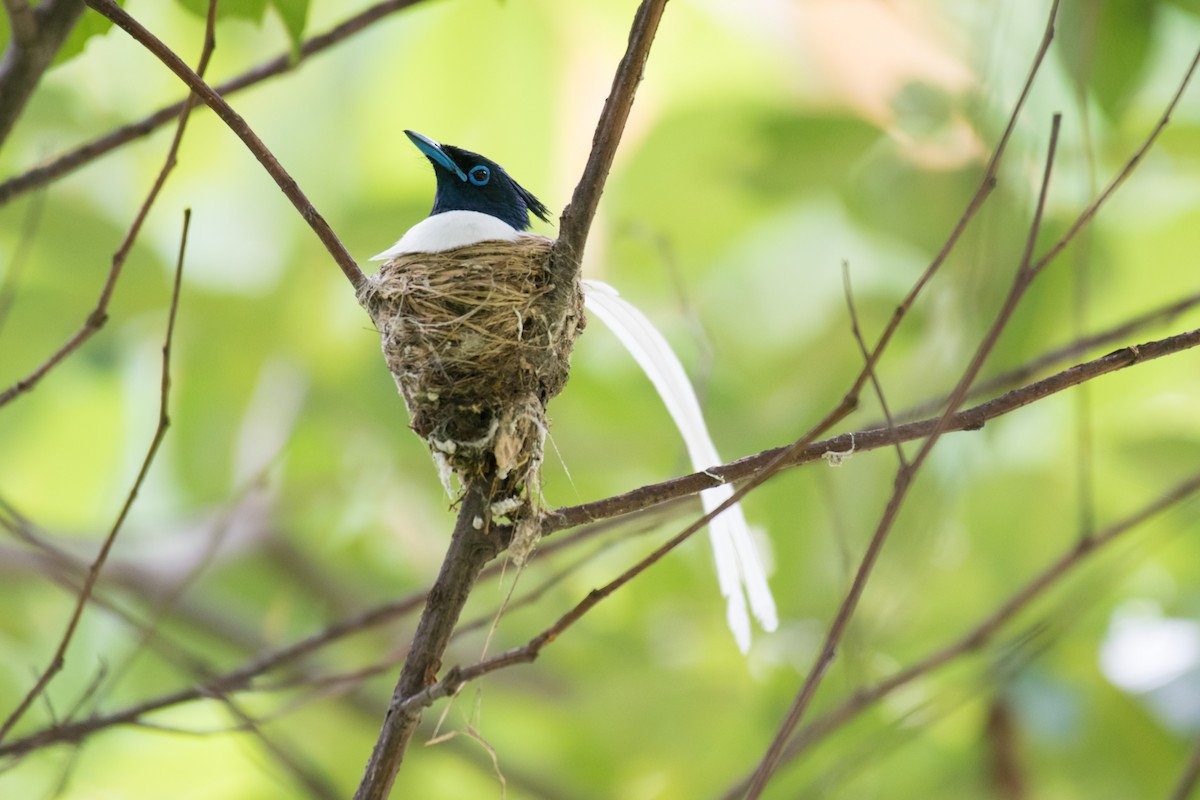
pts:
[448, 230]
[740, 572]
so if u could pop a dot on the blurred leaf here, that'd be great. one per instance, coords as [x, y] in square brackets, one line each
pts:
[226, 9]
[1105, 44]
[294, 14]
[89, 25]
[1187, 5]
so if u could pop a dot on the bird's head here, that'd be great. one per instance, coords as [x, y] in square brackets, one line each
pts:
[467, 181]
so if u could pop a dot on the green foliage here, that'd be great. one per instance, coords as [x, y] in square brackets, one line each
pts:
[291, 496]
[1105, 45]
[293, 14]
[89, 25]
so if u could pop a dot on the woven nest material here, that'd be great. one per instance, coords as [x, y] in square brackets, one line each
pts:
[478, 340]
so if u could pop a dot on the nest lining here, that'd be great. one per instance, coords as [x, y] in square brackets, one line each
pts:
[478, 340]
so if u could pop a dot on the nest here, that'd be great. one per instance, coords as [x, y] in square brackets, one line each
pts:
[478, 340]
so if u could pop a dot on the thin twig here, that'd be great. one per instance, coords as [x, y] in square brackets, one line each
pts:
[243, 131]
[241, 677]
[987, 629]
[651, 495]
[848, 291]
[284, 62]
[986, 185]
[903, 482]
[1091, 211]
[93, 573]
[1015, 376]
[99, 315]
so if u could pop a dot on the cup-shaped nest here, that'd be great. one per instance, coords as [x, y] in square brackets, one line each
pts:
[478, 340]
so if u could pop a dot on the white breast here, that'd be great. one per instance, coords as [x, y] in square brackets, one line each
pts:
[449, 230]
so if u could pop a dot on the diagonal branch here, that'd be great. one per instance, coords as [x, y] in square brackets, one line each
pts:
[1024, 277]
[238, 125]
[285, 62]
[93, 573]
[970, 419]
[99, 315]
[987, 628]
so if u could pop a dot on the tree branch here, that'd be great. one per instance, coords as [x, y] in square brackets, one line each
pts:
[1024, 277]
[862, 441]
[470, 548]
[238, 125]
[93, 573]
[99, 315]
[282, 63]
[987, 629]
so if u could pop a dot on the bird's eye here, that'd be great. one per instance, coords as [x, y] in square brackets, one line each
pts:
[480, 175]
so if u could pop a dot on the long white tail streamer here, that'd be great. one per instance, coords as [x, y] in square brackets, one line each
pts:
[740, 572]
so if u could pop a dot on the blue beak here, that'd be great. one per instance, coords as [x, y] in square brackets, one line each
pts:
[435, 153]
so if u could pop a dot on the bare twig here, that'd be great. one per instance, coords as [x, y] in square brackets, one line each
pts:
[904, 479]
[987, 184]
[970, 419]
[987, 629]
[99, 315]
[285, 62]
[1058, 355]
[1091, 211]
[866, 354]
[38, 34]
[241, 677]
[160, 432]
[239, 126]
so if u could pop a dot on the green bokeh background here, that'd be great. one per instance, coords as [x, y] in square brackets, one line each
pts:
[770, 143]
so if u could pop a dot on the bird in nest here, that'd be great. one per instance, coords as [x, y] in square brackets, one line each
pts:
[478, 336]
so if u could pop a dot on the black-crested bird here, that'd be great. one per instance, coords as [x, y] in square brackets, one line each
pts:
[478, 335]
[476, 201]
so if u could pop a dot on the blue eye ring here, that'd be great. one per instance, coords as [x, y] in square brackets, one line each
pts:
[480, 175]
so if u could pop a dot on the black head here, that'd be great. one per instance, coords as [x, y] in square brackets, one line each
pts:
[467, 181]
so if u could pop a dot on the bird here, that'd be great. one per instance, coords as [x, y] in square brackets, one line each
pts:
[476, 201]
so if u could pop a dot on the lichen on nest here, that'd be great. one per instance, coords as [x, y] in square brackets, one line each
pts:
[478, 340]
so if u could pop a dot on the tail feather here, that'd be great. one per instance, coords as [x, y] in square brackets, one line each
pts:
[740, 572]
